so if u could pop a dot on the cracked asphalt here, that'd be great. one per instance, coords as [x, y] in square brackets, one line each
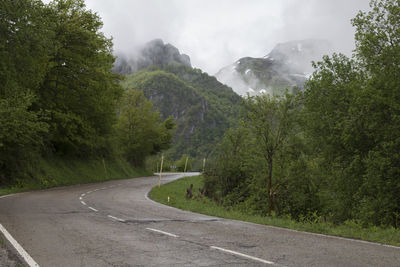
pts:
[115, 224]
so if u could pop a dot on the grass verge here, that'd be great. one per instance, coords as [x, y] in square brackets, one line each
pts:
[176, 191]
[58, 171]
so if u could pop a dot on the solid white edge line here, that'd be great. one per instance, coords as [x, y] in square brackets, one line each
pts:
[10, 195]
[28, 259]
[83, 203]
[93, 209]
[83, 195]
[115, 218]
[243, 255]
[162, 232]
[223, 220]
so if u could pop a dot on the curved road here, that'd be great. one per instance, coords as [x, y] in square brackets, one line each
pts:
[115, 224]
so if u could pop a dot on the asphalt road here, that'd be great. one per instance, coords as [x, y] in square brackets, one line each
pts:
[115, 224]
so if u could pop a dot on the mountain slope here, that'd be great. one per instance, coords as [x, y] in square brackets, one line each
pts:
[287, 66]
[202, 107]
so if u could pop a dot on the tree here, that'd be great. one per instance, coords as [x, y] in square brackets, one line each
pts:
[353, 117]
[378, 50]
[269, 119]
[79, 91]
[23, 43]
[139, 130]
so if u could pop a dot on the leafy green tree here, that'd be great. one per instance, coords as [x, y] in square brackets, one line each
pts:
[352, 113]
[23, 64]
[21, 135]
[79, 91]
[269, 119]
[139, 130]
[337, 130]
[378, 50]
[230, 166]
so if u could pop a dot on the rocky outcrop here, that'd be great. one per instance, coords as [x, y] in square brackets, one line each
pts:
[154, 52]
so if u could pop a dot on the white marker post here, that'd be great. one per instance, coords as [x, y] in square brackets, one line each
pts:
[187, 157]
[159, 178]
[204, 164]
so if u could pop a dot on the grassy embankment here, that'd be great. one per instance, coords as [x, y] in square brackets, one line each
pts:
[177, 190]
[61, 171]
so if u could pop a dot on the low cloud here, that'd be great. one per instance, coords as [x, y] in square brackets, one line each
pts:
[215, 33]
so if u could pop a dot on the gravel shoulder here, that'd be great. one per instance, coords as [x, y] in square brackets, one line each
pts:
[8, 257]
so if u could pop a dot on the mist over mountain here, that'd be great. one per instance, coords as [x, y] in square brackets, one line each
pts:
[287, 66]
[154, 52]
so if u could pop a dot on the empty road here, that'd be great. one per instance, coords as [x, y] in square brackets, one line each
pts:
[115, 224]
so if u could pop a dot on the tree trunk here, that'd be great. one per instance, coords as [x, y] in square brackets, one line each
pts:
[269, 187]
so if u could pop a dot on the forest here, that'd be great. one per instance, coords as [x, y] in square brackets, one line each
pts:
[331, 152]
[58, 96]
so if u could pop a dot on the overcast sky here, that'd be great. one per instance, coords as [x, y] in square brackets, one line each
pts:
[215, 33]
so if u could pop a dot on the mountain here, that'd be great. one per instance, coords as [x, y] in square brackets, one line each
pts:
[287, 66]
[202, 107]
[154, 52]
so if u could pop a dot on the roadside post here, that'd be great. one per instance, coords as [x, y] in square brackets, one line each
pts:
[187, 157]
[160, 173]
[204, 164]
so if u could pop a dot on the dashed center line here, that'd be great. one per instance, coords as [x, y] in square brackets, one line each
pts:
[162, 232]
[170, 234]
[243, 255]
[116, 218]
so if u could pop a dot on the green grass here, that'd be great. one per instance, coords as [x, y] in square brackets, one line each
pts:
[56, 171]
[177, 192]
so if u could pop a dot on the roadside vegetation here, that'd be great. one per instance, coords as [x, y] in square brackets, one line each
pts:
[323, 160]
[61, 107]
[176, 191]
[330, 153]
[61, 171]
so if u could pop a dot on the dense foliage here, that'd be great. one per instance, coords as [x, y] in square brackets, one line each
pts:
[332, 152]
[57, 93]
[139, 130]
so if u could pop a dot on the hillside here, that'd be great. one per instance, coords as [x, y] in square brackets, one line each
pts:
[287, 66]
[202, 107]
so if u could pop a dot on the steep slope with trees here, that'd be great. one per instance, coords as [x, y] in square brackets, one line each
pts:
[201, 106]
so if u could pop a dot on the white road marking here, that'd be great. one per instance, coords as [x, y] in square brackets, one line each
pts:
[162, 232]
[116, 218]
[10, 195]
[93, 209]
[83, 203]
[243, 255]
[309, 233]
[88, 192]
[80, 198]
[28, 259]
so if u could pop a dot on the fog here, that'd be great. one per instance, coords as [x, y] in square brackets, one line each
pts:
[215, 33]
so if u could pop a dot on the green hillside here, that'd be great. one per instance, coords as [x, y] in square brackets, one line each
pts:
[202, 107]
